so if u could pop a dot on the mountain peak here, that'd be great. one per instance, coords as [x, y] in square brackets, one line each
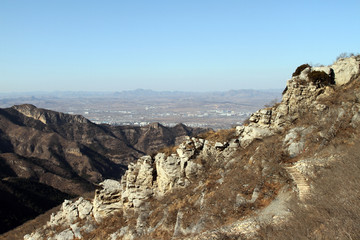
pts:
[48, 116]
[31, 111]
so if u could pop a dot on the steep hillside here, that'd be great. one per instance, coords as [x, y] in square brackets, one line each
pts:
[292, 172]
[23, 199]
[68, 153]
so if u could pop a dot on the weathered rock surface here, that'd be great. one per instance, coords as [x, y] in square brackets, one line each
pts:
[346, 69]
[294, 141]
[71, 211]
[67, 219]
[107, 199]
[300, 96]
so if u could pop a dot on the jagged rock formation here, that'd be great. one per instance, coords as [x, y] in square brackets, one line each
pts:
[346, 69]
[301, 95]
[107, 200]
[256, 184]
[69, 153]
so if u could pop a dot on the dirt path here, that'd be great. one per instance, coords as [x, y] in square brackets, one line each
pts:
[275, 213]
[300, 181]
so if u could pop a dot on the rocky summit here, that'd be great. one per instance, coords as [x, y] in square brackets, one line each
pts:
[290, 172]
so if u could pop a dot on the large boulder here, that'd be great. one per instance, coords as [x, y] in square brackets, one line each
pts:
[346, 69]
[107, 199]
[70, 212]
[137, 183]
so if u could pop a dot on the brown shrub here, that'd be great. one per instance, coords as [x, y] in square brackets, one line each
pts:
[107, 226]
[300, 69]
[168, 150]
[321, 78]
[223, 135]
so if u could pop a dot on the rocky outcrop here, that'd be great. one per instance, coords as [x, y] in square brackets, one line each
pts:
[67, 220]
[211, 189]
[107, 199]
[346, 69]
[71, 211]
[149, 177]
[158, 175]
[294, 141]
[300, 95]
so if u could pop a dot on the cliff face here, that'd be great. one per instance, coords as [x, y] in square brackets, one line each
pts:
[68, 153]
[271, 178]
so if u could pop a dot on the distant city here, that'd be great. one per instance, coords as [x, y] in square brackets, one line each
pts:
[213, 118]
[217, 110]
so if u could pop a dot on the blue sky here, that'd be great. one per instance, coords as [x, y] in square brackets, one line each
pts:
[88, 45]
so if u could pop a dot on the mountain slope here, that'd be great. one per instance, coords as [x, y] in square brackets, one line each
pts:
[68, 153]
[291, 172]
[23, 199]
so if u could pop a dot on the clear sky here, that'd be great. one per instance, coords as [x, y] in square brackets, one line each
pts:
[186, 45]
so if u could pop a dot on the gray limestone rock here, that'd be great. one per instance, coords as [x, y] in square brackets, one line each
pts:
[64, 235]
[346, 69]
[107, 199]
[294, 141]
[168, 172]
[251, 133]
[84, 207]
[76, 230]
[33, 236]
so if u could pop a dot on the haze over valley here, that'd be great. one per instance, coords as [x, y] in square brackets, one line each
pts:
[217, 110]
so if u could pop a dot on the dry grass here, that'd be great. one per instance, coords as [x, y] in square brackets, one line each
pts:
[223, 135]
[168, 150]
[346, 93]
[333, 213]
[334, 128]
[109, 225]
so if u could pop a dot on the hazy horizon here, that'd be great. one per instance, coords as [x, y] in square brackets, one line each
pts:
[138, 90]
[168, 45]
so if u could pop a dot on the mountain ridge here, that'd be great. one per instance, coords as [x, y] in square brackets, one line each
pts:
[266, 180]
[70, 154]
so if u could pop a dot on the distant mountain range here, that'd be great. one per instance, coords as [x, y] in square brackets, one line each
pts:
[247, 95]
[137, 92]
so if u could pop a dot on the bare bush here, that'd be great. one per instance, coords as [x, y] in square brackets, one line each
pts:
[346, 55]
[300, 69]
